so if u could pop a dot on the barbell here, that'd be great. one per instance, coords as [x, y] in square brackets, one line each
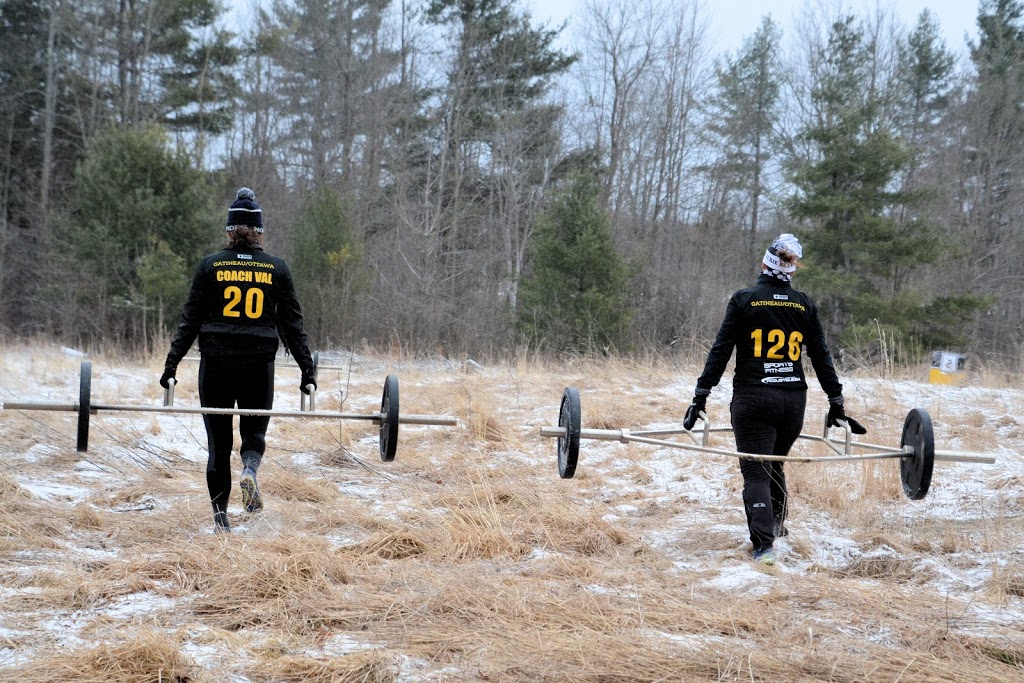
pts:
[316, 362]
[388, 418]
[916, 453]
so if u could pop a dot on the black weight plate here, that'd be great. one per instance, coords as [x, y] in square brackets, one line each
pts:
[84, 405]
[569, 445]
[916, 469]
[389, 419]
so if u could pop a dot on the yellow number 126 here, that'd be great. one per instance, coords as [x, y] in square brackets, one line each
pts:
[777, 340]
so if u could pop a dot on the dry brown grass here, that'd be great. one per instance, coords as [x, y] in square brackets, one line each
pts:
[467, 559]
[150, 656]
[85, 517]
[291, 485]
[370, 667]
[268, 585]
[393, 545]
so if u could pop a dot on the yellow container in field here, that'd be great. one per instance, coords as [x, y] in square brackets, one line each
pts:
[948, 368]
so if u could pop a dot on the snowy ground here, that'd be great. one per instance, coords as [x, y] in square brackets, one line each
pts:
[649, 542]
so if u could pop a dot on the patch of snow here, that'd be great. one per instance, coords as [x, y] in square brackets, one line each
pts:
[89, 469]
[37, 452]
[305, 459]
[53, 491]
[743, 575]
[139, 605]
[339, 645]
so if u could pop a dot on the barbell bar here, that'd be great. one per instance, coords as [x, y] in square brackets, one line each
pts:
[916, 453]
[316, 362]
[388, 417]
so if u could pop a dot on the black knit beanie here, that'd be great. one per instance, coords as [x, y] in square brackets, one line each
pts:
[245, 211]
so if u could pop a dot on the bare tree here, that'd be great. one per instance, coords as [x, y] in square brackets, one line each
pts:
[645, 73]
[619, 51]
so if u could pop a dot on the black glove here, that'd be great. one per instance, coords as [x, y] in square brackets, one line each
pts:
[165, 379]
[692, 413]
[307, 379]
[836, 412]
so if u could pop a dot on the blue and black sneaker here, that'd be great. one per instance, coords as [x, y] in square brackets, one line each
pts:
[252, 501]
[765, 556]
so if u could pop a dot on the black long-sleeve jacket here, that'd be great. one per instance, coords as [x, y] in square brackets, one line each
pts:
[769, 325]
[240, 301]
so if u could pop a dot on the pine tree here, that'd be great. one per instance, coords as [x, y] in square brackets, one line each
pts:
[134, 200]
[199, 88]
[925, 80]
[860, 255]
[327, 266]
[743, 115]
[334, 85]
[162, 61]
[574, 297]
[494, 143]
[500, 70]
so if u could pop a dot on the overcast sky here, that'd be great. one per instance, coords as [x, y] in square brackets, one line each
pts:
[734, 20]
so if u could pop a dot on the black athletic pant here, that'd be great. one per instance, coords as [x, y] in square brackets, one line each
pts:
[223, 382]
[766, 421]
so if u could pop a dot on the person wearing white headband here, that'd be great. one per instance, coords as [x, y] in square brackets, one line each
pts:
[781, 256]
[769, 325]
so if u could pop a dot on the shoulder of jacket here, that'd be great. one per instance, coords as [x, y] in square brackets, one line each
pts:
[804, 296]
[741, 294]
[752, 289]
[208, 260]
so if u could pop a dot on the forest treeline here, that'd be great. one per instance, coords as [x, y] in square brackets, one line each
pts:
[454, 176]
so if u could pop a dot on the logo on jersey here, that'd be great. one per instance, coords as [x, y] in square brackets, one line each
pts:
[776, 368]
[248, 256]
[783, 304]
[781, 297]
[779, 380]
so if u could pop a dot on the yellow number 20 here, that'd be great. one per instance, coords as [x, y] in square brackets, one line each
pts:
[253, 302]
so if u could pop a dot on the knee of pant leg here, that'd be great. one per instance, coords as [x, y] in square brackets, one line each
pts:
[755, 470]
[755, 492]
[254, 442]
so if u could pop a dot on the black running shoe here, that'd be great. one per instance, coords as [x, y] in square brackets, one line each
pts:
[252, 501]
[220, 519]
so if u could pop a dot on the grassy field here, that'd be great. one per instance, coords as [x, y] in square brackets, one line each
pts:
[468, 559]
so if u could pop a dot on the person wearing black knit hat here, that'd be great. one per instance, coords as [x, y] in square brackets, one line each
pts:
[245, 211]
[242, 299]
[769, 325]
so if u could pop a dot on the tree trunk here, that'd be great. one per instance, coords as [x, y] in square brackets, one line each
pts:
[46, 173]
